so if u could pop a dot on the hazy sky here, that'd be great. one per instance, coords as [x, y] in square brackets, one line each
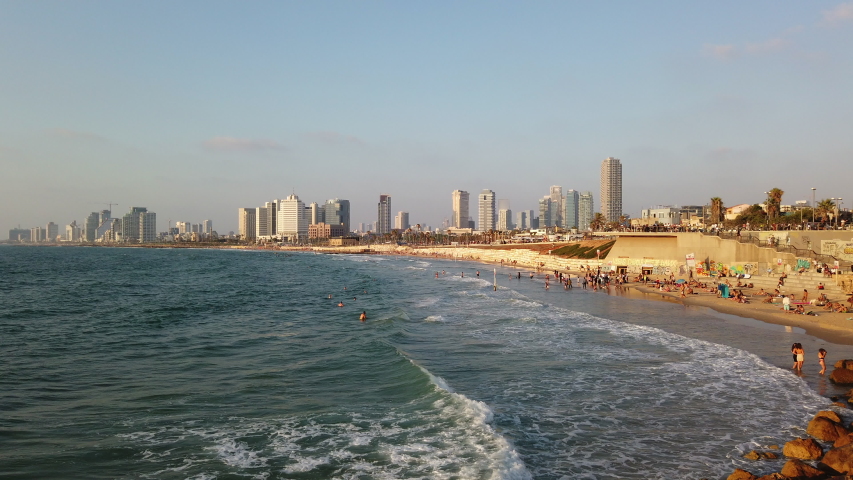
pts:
[194, 109]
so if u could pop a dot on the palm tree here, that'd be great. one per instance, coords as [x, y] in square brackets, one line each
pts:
[774, 202]
[717, 210]
[825, 208]
[598, 221]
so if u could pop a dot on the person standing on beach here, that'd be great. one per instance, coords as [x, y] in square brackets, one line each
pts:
[821, 356]
[786, 303]
[794, 354]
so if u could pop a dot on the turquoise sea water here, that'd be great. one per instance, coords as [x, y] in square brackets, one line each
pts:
[143, 363]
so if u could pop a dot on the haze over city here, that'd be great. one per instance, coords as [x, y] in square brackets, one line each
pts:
[195, 109]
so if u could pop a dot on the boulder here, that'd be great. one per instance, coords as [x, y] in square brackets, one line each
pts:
[839, 459]
[752, 455]
[825, 430]
[841, 376]
[797, 469]
[848, 364]
[739, 474]
[843, 440]
[803, 448]
[828, 414]
[773, 476]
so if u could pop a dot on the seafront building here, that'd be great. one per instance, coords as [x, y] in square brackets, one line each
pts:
[336, 212]
[487, 210]
[460, 218]
[292, 222]
[570, 211]
[586, 208]
[383, 221]
[662, 215]
[246, 223]
[138, 226]
[521, 220]
[326, 230]
[611, 189]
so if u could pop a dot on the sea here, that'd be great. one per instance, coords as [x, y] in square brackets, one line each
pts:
[230, 364]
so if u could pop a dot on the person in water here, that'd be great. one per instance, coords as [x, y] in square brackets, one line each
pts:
[340, 304]
[821, 356]
[363, 316]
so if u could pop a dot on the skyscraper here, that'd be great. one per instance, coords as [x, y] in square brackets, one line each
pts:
[611, 189]
[586, 207]
[383, 221]
[460, 209]
[487, 210]
[546, 218]
[130, 224]
[556, 194]
[292, 221]
[336, 212]
[91, 226]
[401, 221]
[207, 227]
[570, 215]
[521, 221]
[246, 223]
[147, 227]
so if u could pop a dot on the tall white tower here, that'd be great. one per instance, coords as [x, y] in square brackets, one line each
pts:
[487, 211]
[556, 194]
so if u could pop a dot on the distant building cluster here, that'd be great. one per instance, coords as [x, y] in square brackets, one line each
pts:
[573, 210]
[290, 220]
[137, 226]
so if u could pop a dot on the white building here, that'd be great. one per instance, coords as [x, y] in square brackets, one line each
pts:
[586, 208]
[521, 220]
[460, 209]
[611, 189]
[487, 211]
[401, 221]
[505, 220]
[662, 215]
[292, 222]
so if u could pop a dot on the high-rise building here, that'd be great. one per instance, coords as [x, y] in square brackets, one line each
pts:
[546, 217]
[247, 223]
[460, 209]
[130, 225]
[505, 220]
[570, 209]
[336, 212]
[316, 214]
[72, 232]
[401, 221]
[52, 231]
[207, 227]
[521, 220]
[556, 194]
[147, 227]
[292, 221]
[586, 208]
[91, 226]
[611, 189]
[383, 221]
[487, 210]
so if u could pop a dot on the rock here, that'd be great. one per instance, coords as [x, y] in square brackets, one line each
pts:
[824, 429]
[843, 440]
[774, 476]
[803, 448]
[839, 459]
[769, 455]
[848, 364]
[797, 469]
[841, 376]
[839, 405]
[828, 414]
[739, 474]
[753, 455]
[773, 447]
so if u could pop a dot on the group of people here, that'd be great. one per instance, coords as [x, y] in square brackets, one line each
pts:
[799, 355]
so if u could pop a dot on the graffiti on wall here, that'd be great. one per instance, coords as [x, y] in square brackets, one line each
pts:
[837, 248]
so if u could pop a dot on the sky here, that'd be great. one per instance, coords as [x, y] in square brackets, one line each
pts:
[194, 109]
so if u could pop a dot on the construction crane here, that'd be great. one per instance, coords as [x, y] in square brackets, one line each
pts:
[111, 207]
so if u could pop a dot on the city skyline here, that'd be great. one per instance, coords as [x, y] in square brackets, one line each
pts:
[145, 104]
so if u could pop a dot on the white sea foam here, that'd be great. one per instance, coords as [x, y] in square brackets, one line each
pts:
[434, 318]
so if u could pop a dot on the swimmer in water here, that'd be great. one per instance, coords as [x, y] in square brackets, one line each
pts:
[436, 274]
[363, 316]
[340, 304]
[330, 296]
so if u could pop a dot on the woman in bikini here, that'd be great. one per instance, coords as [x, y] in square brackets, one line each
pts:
[801, 356]
[821, 356]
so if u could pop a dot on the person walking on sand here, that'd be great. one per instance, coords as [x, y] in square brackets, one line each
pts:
[821, 356]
